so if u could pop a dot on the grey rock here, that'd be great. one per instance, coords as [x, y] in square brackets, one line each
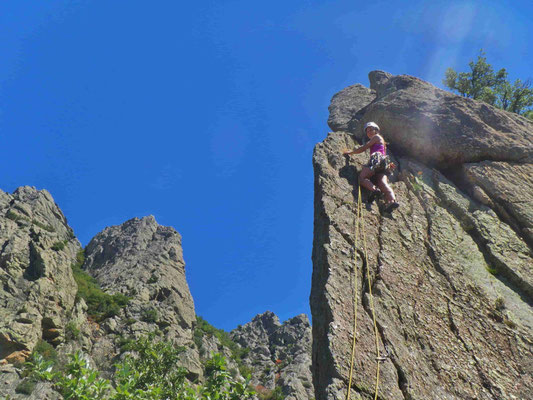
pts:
[450, 274]
[508, 189]
[144, 260]
[379, 82]
[37, 251]
[38, 289]
[346, 104]
[280, 354]
[440, 128]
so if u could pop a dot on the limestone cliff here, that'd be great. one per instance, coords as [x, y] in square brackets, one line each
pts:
[450, 270]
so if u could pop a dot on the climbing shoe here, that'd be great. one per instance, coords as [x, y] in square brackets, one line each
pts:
[392, 206]
[376, 194]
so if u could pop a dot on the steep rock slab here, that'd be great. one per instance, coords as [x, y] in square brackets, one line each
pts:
[279, 354]
[440, 128]
[449, 324]
[508, 189]
[144, 260]
[38, 289]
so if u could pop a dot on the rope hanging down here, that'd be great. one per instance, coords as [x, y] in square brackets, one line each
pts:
[359, 222]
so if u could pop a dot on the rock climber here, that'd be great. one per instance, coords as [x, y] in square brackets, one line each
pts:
[379, 167]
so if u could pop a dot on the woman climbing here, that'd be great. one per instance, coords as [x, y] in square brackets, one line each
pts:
[379, 166]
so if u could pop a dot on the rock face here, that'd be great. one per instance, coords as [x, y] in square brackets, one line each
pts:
[38, 289]
[450, 270]
[345, 105]
[37, 298]
[144, 261]
[279, 354]
[139, 259]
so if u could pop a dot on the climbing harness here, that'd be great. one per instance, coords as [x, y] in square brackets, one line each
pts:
[381, 163]
[359, 227]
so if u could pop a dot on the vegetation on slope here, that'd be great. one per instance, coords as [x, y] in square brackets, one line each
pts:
[100, 304]
[148, 372]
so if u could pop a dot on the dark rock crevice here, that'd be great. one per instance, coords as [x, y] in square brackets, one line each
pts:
[501, 207]
[509, 277]
[484, 380]
[36, 267]
[430, 251]
[403, 383]
[368, 302]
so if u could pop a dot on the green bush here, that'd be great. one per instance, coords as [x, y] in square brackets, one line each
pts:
[275, 394]
[48, 228]
[45, 350]
[237, 352]
[81, 382]
[492, 270]
[100, 305]
[149, 372]
[205, 328]
[26, 386]
[14, 216]
[149, 315]
[72, 331]
[58, 246]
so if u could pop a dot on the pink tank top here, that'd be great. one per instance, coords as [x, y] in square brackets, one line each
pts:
[377, 147]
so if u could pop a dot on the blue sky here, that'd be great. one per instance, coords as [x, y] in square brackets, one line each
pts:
[205, 114]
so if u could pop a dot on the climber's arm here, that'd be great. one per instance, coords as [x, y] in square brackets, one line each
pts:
[364, 147]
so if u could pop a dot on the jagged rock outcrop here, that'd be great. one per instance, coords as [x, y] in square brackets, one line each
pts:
[38, 289]
[37, 297]
[345, 105]
[280, 354]
[144, 261]
[450, 270]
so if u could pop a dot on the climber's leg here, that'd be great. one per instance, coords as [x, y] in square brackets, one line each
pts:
[383, 184]
[390, 199]
[364, 180]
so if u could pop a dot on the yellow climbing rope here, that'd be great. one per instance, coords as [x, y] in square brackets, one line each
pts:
[355, 296]
[359, 222]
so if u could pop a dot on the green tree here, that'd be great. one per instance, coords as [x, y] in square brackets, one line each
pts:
[482, 83]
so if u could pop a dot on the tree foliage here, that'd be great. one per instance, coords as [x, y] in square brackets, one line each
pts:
[483, 83]
[150, 371]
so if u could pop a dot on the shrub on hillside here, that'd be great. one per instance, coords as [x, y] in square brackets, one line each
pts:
[149, 372]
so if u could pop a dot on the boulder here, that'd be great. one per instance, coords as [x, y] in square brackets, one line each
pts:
[437, 127]
[345, 105]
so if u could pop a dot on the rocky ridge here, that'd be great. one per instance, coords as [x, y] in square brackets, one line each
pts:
[450, 270]
[138, 259]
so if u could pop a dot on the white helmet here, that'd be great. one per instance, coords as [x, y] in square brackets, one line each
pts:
[371, 125]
